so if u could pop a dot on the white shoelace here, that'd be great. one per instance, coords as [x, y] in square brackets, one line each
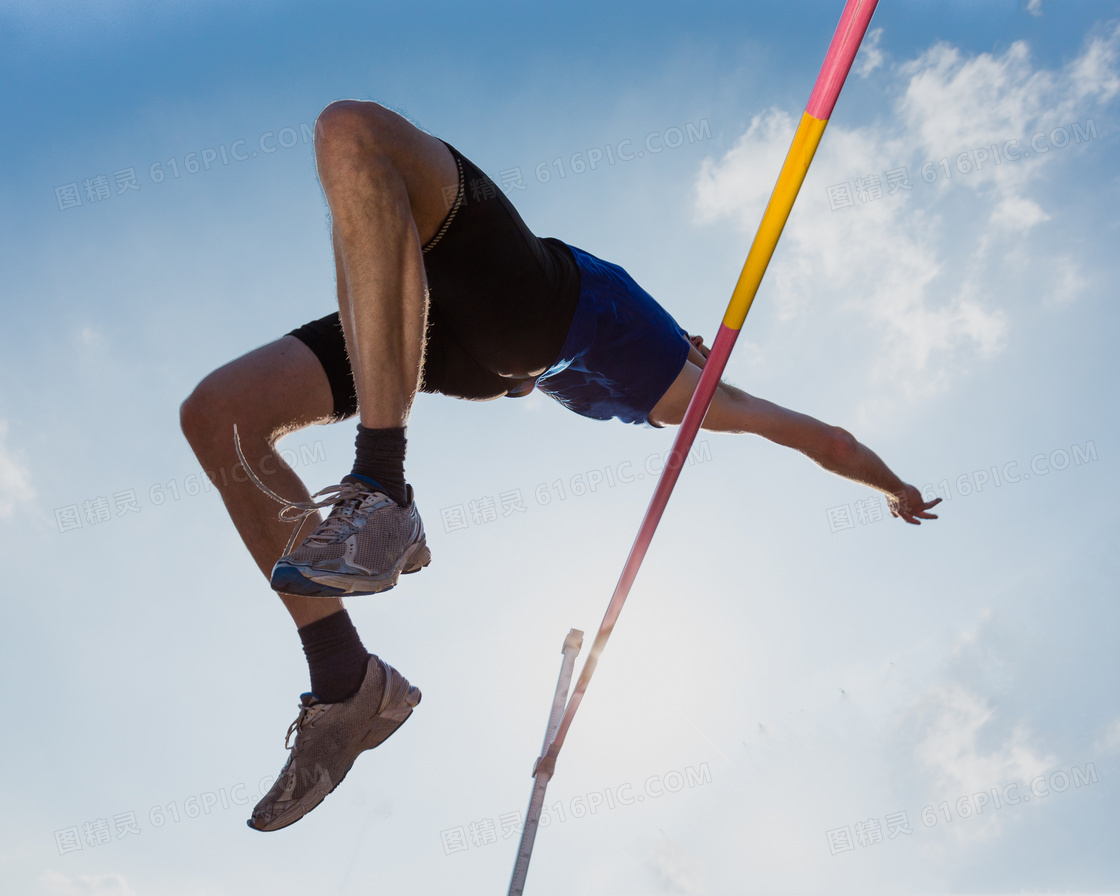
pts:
[297, 511]
[305, 712]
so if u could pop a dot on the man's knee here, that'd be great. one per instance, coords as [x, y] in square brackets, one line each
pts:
[349, 126]
[203, 413]
[214, 407]
[273, 390]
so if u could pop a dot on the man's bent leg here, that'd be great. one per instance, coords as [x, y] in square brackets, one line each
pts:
[384, 180]
[273, 390]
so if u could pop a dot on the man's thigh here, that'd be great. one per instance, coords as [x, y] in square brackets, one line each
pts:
[277, 388]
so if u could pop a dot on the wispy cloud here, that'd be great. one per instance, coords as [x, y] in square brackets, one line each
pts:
[15, 478]
[1109, 739]
[954, 721]
[677, 870]
[870, 55]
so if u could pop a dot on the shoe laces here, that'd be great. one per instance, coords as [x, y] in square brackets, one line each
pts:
[306, 713]
[343, 497]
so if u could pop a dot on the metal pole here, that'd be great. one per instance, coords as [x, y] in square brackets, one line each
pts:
[572, 645]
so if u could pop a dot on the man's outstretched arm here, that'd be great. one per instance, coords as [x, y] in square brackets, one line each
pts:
[835, 449]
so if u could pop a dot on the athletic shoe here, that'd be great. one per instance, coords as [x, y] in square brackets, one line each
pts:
[329, 737]
[361, 548]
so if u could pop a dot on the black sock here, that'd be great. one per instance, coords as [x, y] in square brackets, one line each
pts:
[380, 457]
[335, 656]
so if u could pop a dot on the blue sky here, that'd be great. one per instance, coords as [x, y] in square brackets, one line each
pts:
[809, 670]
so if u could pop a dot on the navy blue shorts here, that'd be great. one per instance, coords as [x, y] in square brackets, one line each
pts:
[622, 352]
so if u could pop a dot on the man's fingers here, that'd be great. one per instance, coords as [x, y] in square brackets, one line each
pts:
[698, 344]
[914, 518]
[900, 508]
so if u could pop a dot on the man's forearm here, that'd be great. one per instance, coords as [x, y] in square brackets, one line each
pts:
[859, 463]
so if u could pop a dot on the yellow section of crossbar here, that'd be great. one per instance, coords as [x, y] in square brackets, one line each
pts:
[805, 142]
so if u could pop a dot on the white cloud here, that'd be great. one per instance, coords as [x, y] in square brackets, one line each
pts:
[1034, 7]
[924, 267]
[955, 729]
[55, 884]
[1093, 74]
[15, 478]
[870, 56]
[677, 870]
[1068, 283]
[739, 184]
[950, 747]
[1017, 213]
[954, 721]
[90, 336]
[1109, 740]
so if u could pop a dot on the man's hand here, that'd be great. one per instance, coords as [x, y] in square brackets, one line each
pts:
[698, 344]
[908, 505]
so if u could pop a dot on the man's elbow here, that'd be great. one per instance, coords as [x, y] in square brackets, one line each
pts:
[841, 448]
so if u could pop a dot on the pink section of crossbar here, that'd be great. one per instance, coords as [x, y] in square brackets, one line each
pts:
[690, 425]
[841, 53]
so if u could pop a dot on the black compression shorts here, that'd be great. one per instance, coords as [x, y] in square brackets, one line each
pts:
[501, 301]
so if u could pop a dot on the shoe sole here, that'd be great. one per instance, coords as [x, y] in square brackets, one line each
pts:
[289, 579]
[384, 725]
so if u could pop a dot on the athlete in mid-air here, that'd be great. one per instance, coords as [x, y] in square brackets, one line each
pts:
[441, 288]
